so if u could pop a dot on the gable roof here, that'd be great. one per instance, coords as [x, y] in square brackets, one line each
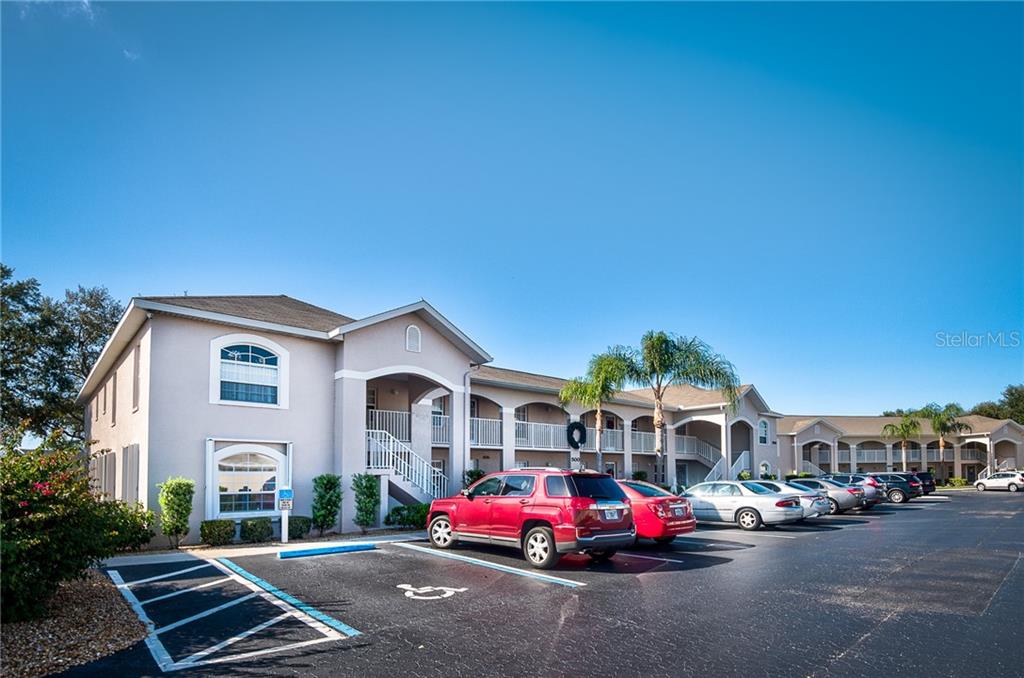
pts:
[685, 396]
[864, 426]
[279, 309]
[501, 376]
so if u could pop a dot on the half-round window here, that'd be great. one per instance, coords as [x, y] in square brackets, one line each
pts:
[249, 374]
[246, 483]
[412, 339]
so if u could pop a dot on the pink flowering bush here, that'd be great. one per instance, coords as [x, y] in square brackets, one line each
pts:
[52, 525]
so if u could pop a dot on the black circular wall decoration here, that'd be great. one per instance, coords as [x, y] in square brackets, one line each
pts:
[571, 431]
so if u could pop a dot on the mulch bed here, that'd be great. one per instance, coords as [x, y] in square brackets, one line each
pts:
[87, 620]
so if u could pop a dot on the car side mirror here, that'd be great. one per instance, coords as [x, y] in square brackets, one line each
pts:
[467, 494]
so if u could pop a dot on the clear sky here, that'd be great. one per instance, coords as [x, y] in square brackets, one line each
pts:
[814, 189]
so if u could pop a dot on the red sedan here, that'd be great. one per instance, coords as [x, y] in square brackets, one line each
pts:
[658, 514]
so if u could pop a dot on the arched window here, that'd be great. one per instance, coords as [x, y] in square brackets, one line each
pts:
[246, 483]
[248, 374]
[762, 432]
[412, 339]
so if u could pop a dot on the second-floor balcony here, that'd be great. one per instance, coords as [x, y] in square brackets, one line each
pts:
[485, 432]
[538, 436]
[399, 424]
[611, 440]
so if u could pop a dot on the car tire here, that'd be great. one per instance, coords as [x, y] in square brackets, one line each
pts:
[833, 507]
[664, 541]
[867, 507]
[539, 548]
[897, 496]
[748, 519]
[980, 487]
[440, 532]
[1013, 487]
[602, 556]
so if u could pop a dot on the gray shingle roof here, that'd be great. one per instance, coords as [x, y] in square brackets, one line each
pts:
[278, 308]
[540, 381]
[872, 426]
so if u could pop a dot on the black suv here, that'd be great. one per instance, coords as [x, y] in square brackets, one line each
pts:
[927, 480]
[899, 487]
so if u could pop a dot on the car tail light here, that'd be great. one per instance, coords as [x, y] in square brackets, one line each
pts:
[582, 503]
[784, 503]
[854, 490]
[871, 482]
[658, 510]
[914, 483]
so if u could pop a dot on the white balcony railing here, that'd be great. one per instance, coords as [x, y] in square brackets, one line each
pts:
[395, 422]
[697, 447]
[440, 429]
[947, 455]
[871, 457]
[541, 436]
[971, 455]
[643, 441]
[485, 432]
[611, 440]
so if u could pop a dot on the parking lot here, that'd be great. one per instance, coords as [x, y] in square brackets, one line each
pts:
[933, 586]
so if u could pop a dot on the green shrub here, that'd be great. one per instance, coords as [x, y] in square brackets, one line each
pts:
[52, 526]
[256, 529]
[326, 501]
[175, 507]
[217, 532]
[790, 476]
[957, 481]
[744, 475]
[769, 476]
[367, 489]
[805, 474]
[413, 515]
[473, 475]
[299, 526]
[640, 475]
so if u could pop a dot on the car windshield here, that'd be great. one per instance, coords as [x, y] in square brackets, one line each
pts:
[597, 487]
[834, 483]
[647, 490]
[802, 488]
[755, 488]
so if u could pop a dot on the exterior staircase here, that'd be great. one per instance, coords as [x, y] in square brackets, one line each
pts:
[808, 467]
[691, 447]
[412, 475]
[716, 473]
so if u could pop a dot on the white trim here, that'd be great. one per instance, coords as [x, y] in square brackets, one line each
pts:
[820, 420]
[745, 420]
[718, 419]
[768, 432]
[399, 369]
[283, 371]
[433, 318]
[213, 457]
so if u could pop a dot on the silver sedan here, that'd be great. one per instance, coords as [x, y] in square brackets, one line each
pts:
[744, 503]
[841, 498]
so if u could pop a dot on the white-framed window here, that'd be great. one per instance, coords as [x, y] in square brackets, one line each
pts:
[521, 412]
[610, 422]
[438, 464]
[248, 370]
[437, 407]
[371, 398]
[474, 407]
[762, 432]
[246, 483]
[413, 338]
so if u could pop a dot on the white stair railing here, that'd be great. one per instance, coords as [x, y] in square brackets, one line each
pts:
[385, 451]
[707, 452]
[808, 467]
[742, 463]
[716, 471]
[985, 473]
[395, 422]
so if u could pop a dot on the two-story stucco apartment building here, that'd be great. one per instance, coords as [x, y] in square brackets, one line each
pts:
[246, 394]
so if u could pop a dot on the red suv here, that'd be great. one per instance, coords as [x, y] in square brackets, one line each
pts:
[543, 511]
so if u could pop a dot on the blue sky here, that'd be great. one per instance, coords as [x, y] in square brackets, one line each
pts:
[814, 189]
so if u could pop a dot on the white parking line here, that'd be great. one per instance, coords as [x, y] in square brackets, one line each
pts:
[551, 579]
[178, 593]
[234, 639]
[165, 576]
[205, 613]
[697, 541]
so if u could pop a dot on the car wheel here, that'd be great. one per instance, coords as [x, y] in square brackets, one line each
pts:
[748, 519]
[980, 487]
[833, 507]
[664, 541]
[440, 532]
[539, 548]
[897, 496]
[1012, 487]
[602, 556]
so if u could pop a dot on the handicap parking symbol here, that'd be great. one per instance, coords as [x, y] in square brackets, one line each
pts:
[422, 592]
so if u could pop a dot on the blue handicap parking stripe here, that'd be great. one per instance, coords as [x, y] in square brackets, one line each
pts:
[291, 600]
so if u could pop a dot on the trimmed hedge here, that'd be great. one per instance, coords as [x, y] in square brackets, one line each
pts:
[217, 532]
[473, 475]
[257, 529]
[413, 515]
[299, 526]
[640, 475]
[957, 481]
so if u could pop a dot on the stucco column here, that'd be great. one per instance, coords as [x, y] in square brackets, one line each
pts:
[508, 438]
[577, 454]
[1020, 456]
[627, 449]
[990, 455]
[958, 466]
[853, 458]
[421, 426]
[349, 441]
[670, 456]
[888, 456]
[726, 452]
[460, 441]
[834, 455]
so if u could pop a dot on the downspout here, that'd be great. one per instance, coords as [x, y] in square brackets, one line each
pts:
[465, 425]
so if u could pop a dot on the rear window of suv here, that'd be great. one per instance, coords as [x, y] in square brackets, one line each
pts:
[597, 487]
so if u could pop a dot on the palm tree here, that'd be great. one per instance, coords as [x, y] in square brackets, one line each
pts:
[907, 428]
[605, 376]
[945, 421]
[665, 360]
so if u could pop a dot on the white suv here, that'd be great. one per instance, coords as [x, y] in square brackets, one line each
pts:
[1004, 480]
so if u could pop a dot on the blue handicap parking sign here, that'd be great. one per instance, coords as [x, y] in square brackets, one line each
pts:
[285, 493]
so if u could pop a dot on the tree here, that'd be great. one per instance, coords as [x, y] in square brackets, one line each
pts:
[665, 360]
[908, 427]
[1009, 406]
[945, 421]
[605, 376]
[175, 507]
[326, 501]
[366, 487]
[49, 346]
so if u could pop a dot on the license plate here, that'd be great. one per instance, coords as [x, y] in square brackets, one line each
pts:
[611, 514]
[678, 512]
